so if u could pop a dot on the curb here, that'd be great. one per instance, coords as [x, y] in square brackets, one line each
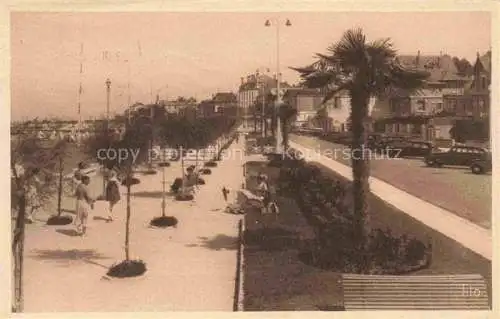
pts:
[239, 294]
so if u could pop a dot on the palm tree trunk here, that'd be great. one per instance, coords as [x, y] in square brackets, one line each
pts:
[127, 223]
[264, 120]
[360, 166]
[284, 133]
[273, 123]
[255, 121]
[59, 187]
[18, 254]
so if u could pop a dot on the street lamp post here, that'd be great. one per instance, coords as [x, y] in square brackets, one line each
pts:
[108, 91]
[277, 24]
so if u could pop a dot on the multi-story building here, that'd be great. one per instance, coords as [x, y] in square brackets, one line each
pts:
[474, 102]
[306, 102]
[413, 113]
[221, 103]
[250, 89]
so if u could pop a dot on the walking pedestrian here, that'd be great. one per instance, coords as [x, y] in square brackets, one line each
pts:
[84, 204]
[225, 192]
[77, 176]
[33, 202]
[112, 194]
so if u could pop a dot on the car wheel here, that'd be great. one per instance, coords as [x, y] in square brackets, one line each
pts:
[476, 169]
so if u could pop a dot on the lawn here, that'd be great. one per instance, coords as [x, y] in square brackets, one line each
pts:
[275, 278]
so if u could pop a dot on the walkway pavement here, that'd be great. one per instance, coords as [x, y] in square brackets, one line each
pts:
[190, 268]
[468, 234]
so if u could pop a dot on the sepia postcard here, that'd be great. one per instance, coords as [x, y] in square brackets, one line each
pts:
[209, 157]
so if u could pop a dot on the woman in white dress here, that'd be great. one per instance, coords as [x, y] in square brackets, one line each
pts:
[84, 203]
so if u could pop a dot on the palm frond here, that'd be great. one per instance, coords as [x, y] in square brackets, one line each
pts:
[332, 92]
[350, 50]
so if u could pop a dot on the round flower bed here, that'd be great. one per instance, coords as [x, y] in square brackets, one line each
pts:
[127, 268]
[150, 171]
[56, 220]
[206, 171]
[164, 221]
[164, 164]
[201, 181]
[184, 197]
[211, 164]
[130, 181]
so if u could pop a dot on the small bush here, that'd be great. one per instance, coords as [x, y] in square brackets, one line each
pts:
[206, 171]
[59, 220]
[150, 171]
[184, 197]
[127, 268]
[164, 221]
[164, 164]
[211, 164]
[130, 181]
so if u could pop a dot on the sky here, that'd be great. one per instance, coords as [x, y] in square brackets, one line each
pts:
[196, 54]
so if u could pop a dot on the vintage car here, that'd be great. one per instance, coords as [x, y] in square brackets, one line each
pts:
[456, 156]
[411, 149]
[482, 165]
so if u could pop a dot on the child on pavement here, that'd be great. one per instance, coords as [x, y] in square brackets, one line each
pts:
[84, 204]
[112, 194]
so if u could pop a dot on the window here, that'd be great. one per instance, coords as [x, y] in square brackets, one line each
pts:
[421, 105]
[337, 102]
[483, 81]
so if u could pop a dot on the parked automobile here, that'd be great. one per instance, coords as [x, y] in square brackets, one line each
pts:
[482, 165]
[385, 143]
[456, 156]
[411, 148]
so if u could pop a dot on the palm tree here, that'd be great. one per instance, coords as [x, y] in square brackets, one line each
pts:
[364, 69]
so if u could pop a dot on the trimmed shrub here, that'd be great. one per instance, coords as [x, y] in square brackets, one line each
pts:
[56, 220]
[127, 268]
[184, 197]
[206, 171]
[164, 221]
[211, 164]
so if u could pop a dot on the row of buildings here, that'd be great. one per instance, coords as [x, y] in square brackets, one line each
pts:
[430, 113]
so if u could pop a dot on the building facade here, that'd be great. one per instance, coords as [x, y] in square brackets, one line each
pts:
[424, 113]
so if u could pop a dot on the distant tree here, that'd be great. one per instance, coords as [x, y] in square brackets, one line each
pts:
[464, 67]
[32, 165]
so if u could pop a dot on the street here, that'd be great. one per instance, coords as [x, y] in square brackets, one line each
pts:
[454, 189]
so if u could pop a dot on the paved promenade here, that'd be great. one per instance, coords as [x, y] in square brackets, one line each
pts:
[190, 268]
[468, 234]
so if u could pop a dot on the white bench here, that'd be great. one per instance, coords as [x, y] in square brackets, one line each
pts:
[247, 199]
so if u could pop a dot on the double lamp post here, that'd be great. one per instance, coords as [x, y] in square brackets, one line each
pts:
[277, 23]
